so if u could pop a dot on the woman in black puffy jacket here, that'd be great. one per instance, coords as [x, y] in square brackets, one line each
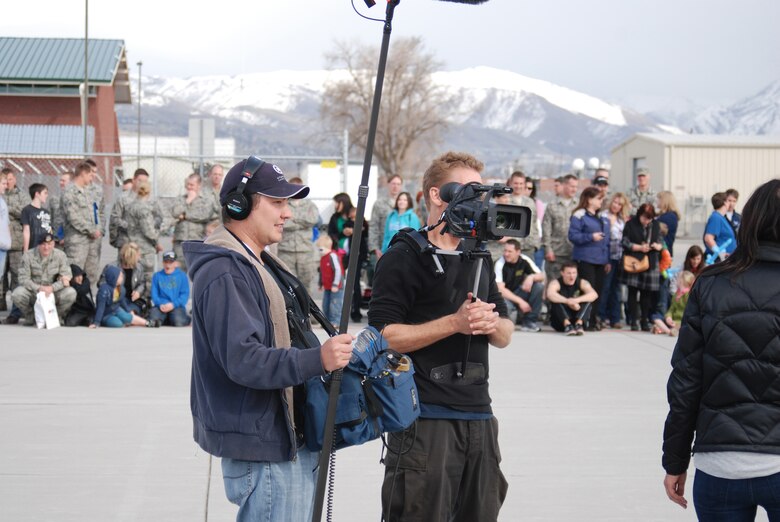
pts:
[725, 382]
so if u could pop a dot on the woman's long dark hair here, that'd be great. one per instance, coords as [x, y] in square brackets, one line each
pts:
[346, 201]
[760, 223]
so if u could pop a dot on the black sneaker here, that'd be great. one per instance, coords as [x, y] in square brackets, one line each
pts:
[569, 330]
[634, 327]
[578, 330]
[11, 319]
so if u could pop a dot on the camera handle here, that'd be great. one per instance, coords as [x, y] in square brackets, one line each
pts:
[468, 253]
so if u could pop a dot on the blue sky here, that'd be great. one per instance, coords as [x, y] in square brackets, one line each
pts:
[710, 51]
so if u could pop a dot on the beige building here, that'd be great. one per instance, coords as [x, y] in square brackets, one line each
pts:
[695, 166]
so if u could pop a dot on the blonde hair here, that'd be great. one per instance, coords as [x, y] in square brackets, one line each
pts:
[144, 189]
[668, 203]
[129, 255]
[625, 206]
[439, 170]
[685, 279]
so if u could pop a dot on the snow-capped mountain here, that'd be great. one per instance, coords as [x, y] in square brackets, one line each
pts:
[501, 115]
[757, 114]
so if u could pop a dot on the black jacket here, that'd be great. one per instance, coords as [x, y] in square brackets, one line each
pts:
[725, 382]
[635, 233]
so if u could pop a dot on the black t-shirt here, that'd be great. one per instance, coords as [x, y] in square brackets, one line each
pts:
[406, 291]
[39, 221]
[570, 291]
[515, 273]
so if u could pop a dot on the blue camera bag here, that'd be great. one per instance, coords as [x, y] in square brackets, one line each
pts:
[377, 395]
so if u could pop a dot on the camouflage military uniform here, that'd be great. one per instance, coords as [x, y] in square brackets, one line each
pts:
[555, 235]
[529, 244]
[57, 219]
[296, 248]
[207, 191]
[142, 231]
[117, 226]
[16, 200]
[81, 222]
[193, 227]
[376, 227]
[36, 271]
[636, 197]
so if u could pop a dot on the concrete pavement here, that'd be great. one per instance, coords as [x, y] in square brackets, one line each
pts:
[96, 426]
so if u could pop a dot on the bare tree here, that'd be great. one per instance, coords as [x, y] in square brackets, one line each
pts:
[413, 108]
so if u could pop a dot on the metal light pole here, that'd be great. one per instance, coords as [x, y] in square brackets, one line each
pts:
[138, 150]
[85, 104]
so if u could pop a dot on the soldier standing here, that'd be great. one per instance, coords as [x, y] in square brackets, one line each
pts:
[555, 228]
[643, 192]
[296, 248]
[117, 227]
[379, 212]
[531, 243]
[141, 228]
[16, 200]
[82, 223]
[95, 190]
[192, 212]
[55, 208]
[211, 190]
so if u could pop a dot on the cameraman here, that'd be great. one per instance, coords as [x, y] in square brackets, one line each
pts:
[449, 463]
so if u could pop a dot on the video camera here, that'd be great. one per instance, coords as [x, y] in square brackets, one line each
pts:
[471, 213]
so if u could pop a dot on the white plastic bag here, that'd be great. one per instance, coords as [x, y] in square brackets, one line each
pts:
[46, 311]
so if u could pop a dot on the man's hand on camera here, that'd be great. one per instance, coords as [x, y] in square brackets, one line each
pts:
[336, 352]
[477, 318]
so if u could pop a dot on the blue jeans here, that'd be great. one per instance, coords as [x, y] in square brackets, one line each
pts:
[176, 317]
[117, 319]
[3, 254]
[533, 298]
[272, 491]
[609, 306]
[539, 258]
[331, 305]
[726, 500]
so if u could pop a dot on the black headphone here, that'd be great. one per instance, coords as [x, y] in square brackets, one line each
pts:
[237, 204]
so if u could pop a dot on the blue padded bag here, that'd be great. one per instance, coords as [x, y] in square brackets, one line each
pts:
[377, 395]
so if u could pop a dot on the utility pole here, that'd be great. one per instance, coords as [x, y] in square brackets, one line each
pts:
[138, 150]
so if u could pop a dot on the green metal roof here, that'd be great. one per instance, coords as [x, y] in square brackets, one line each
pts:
[58, 60]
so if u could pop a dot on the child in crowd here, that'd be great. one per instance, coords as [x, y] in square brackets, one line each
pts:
[694, 260]
[83, 310]
[112, 305]
[170, 293]
[332, 281]
[35, 219]
[668, 324]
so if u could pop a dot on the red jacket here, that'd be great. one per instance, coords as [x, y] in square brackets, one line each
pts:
[332, 273]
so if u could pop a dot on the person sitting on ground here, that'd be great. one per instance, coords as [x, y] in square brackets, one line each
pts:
[571, 298]
[694, 260]
[83, 310]
[521, 284]
[136, 285]
[667, 324]
[112, 307]
[170, 292]
[44, 269]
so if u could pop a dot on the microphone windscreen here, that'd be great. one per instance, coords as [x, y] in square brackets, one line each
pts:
[448, 190]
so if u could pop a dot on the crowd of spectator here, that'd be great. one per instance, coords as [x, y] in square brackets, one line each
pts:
[593, 259]
[53, 245]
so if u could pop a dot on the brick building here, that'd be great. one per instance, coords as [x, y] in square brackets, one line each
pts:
[41, 107]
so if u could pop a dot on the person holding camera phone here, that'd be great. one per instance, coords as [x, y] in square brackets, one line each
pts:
[445, 466]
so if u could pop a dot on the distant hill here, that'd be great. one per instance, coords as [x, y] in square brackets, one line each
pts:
[502, 116]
